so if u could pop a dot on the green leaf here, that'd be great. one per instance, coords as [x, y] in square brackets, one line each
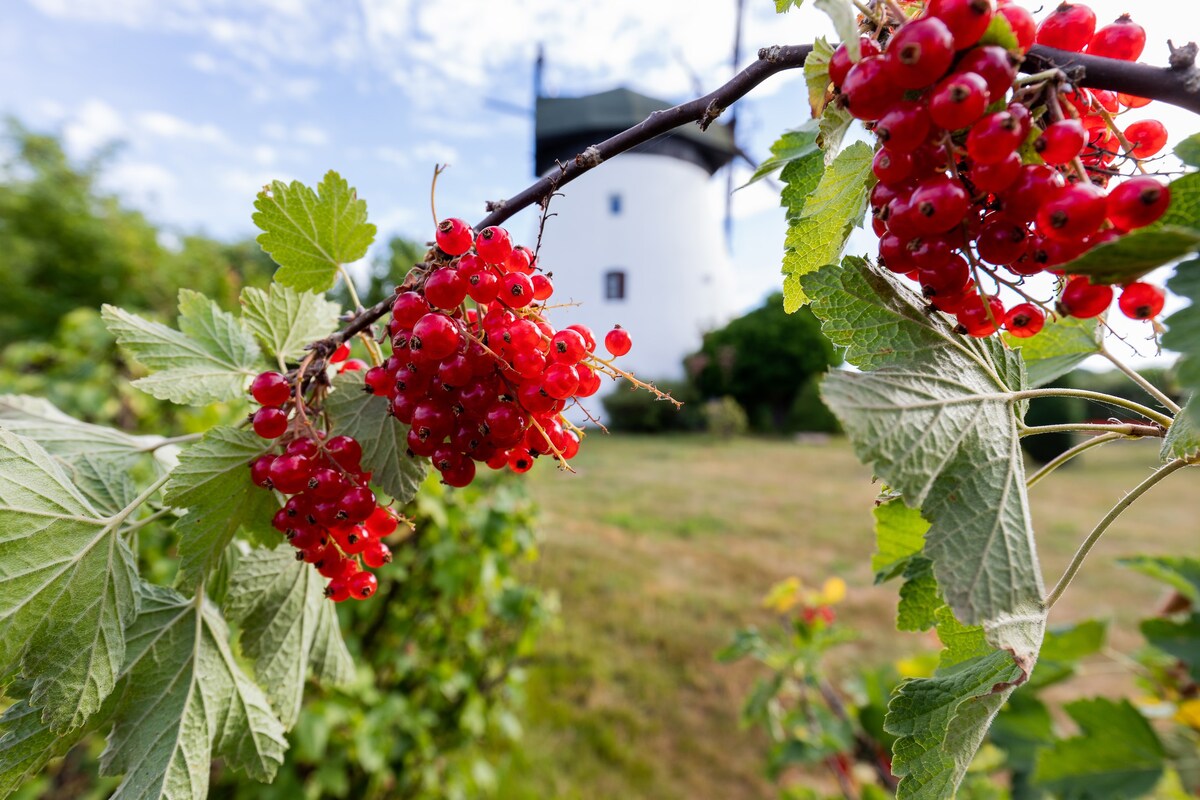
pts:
[1063, 648]
[1178, 639]
[310, 235]
[1184, 209]
[1117, 755]
[66, 586]
[185, 701]
[27, 745]
[937, 421]
[845, 23]
[1136, 253]
[286, 320]
[919, 597]
[899, 535]
[782, 6]
[1061, 346]
[940, 721]
[279, 603]
[1022, 728]
[353, 412]
[1179, 572]
[1183, 327]
[66, 437]
[835, 124]
[793, 145]
[999, 32]
[1183, 437]
[1188, 151]
[105, 484]
[207, 360]
[213, 483]
[834, 209]
[800, 180]
[816, 76]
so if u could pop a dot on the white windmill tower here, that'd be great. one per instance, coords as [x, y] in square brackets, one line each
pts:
[638, 242]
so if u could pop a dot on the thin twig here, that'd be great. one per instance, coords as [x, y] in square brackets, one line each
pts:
[1067, 455]
[1099, 397]
[1141, 381]
[1102, 526]
[1124, 429]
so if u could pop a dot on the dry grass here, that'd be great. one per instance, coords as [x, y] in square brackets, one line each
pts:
[659, 548]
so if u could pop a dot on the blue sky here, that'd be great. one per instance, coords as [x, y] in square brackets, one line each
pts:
[213, 98]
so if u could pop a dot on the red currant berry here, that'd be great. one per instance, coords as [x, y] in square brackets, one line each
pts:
[1061, 141]
[436, 336]
[459, 473]
[376, 554]
[356, 504]
[269, 423]
[981, 319]
[353, 365]
[958, 101]
[338, 590]
[1133, 101]
[617, 341]
[341, 354]
[950, 278]
[260, 471]
[1001, 242]
[483, 285]
[840, 63]
[543, 287]
[1141, 300]
[1072, 212]
[1148, 137]
[905, 127]
[1138, 202]
[520, 461]
[270, 389]
[1022, 23]
[1083, 299]
[940, 204]
[407, 308]
[346, 452]
[994, 138]
[378, 381]
[867, 91]
[1069, 27]
[560, 381]
[1024, 320]
[454, 236]
[494, 245]
[994, 64]
[919, 53]
[521, 260]
[589, 338]
[290, 473]
[516, 290]
[567, 347]
[445, 288]
[891, 168]
[966, 19]
[382, 522]
[363, 585]
[1124, 40]
[997, 177]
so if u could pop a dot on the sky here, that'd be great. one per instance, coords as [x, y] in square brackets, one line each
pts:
[211, 99]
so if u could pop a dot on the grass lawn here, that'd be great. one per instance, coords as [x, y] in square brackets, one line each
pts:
[659, 548]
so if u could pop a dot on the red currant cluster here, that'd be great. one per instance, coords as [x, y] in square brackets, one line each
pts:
[331, 516]
[487, 383]
[974, 183]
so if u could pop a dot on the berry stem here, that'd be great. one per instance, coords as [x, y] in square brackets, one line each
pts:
[141, 523]
[617, 372]
[1100, 397]
[1102, 526]
[186, 438]
[1126, 145]
[116, 520]
[562, 461]
[1067, 455]
[358, 306]
[1146, 385]
[1129, 429]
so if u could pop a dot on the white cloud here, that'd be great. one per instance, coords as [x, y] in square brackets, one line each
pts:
[95, 125]
[265, 155]
[394, 156]
[142, 182]
[435, 153]
[310, 135]
[204, 62]
[242, 184]
[169, 126]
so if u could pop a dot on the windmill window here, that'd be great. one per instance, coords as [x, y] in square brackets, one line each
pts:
[614, 204]
[614, 284]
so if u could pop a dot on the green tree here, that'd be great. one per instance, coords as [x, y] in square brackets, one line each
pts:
[763, 360]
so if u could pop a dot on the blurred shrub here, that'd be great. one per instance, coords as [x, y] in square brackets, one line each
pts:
[640, 411]
[723, 417]
[809, 412]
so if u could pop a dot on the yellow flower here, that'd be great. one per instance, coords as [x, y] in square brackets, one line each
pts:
[1188, 713]
[783, 596]
[833, 592]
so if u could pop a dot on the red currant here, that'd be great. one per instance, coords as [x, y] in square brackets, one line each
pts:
[1124, 40]
[454, 236]
[1141, 300]
[1061, 141]
[1083, 299]
[270, 389]
[1148, 137]
[269, 423]
[840, 63]
[867, 91]
[959, 100]
[494, 245]
[966, 19]
[617, 341]
[1069, 27]
[919, 53]
[1022, 23]
[1137, 202]
[1024, 320]
[445, 289]
[362, 585]
[1072, 212]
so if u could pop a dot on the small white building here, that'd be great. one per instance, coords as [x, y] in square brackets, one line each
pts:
[637, 241]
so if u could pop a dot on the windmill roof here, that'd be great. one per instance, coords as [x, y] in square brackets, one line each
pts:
[609, 112]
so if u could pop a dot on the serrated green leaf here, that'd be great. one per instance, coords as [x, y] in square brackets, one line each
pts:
[936, 420]
[311, 234]
[845, 23]
[213, 483]
[835, 124]
[919, 597]
[185, 701]
[1183, 437]
[816, 77]
[67, 438]
[1000, 33]
[1179, 572]
[782, 6]
[279, 603]
[1184, 209]
[793, 145]
[207, 360]
[1188, 151]
[1061, 346]
[106, 484]
[834, 209]
[286, 320]
[66, 586]
[1117, 755]
[899, 535]
[27, 744]
[1136, 253]
[800, 180]
[1183, 327]
[353, 412]
[1179, 640]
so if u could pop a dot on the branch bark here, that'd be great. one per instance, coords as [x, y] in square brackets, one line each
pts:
[1177, 85]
